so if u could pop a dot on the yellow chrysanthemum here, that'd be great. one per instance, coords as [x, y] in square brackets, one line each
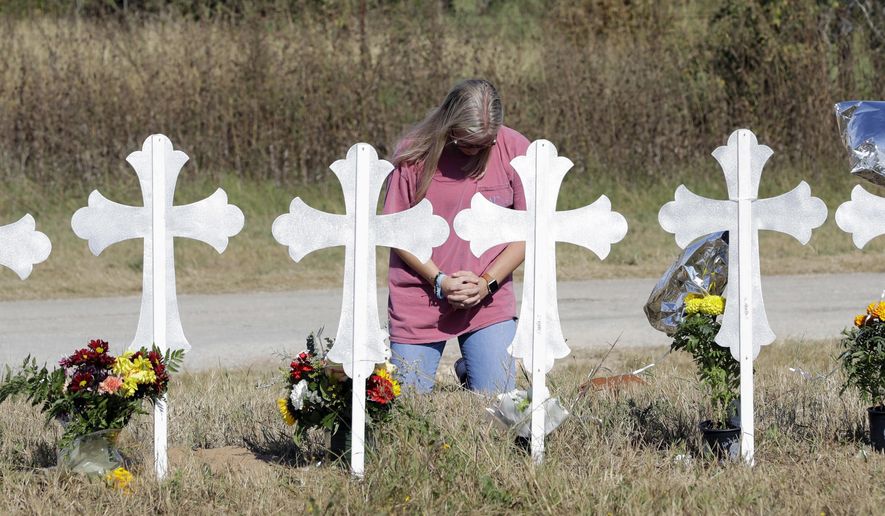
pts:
[859, 320]
[129, 387]
[283, 403]
[708, 305]
[382, 372]
[119, 478]
[878, 310]
[123, 364]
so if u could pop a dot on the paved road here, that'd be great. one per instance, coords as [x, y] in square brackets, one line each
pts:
[231, 330]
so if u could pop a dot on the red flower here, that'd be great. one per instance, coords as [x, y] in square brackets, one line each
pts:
[81, 381]
[99, 346]
[82, 356]
[300, 367]
[380, 390]
[96, 354]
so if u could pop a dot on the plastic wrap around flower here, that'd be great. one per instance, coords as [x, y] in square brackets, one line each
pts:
[862, 127]
[513, 410]
[701, 270]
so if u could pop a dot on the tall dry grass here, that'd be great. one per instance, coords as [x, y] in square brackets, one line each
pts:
[633, 452]
[279, 89]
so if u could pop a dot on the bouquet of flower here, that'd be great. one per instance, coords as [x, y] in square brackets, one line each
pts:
[718, 372]
[863, 355]
[319, 393]
[93, 390]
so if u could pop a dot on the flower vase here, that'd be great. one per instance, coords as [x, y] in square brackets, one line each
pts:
[340, 441]
[92, 454]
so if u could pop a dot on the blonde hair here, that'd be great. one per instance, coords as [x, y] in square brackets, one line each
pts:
[473, 108]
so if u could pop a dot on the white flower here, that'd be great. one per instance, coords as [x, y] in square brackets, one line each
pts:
[302, 394]
[299, 394]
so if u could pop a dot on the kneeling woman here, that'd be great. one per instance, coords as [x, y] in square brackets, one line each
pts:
[460, 149]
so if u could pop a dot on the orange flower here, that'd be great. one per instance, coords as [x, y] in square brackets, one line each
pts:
[879, 311]
[859, 320]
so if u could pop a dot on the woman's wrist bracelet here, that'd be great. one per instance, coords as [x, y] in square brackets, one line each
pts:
[437, 284]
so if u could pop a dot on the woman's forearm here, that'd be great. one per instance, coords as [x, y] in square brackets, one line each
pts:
[507, 262]
[427, 270]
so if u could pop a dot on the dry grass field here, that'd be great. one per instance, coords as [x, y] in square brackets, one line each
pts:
[630, 452]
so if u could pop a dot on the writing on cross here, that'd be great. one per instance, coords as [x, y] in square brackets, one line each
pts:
[22, 246]
[104, 222]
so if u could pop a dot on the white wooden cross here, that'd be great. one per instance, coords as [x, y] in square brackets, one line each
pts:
[539, 340]
[863, 216]
[104, 222]
[745, 324]
[360, 341]
[22, 246]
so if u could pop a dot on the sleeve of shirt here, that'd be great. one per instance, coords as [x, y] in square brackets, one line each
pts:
[520, 147]
[399, 191]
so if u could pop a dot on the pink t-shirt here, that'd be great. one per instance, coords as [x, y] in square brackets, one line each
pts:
[416, 316]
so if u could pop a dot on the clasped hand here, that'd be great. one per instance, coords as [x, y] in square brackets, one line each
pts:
[464, 289]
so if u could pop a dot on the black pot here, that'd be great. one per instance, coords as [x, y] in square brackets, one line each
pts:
[877, 427]
[722, 443]
[340, 443]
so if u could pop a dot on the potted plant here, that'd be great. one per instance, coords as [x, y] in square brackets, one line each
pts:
[93, 395]
[717, 370]
[863, 362]
[318, 395]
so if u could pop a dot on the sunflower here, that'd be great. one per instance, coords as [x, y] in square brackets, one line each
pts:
[288, 417]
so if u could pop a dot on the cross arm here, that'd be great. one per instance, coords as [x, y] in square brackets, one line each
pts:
[795, 213]
[305, 229]
[104, 222]
[416, 230]
[595, 227]
[690, 216]
[863, 216]
[211, 220]
[22, 246]
[485, 225]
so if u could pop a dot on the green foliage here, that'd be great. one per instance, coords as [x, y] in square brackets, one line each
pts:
[84, 411]
[863, 361]
[717, 370]
[327, 401]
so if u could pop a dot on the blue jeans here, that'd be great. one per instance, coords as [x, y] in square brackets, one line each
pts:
[490, 368]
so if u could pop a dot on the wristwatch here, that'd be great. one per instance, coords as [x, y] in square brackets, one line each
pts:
[492, 283]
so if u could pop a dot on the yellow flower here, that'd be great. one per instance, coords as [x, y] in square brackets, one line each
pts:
[859, 320]
[123, 364]
[708, 305]
[878, 310]
[283, 403]
[119, 478]
[383, 373]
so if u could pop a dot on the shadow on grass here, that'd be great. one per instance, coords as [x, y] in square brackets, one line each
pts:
[275, 447]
